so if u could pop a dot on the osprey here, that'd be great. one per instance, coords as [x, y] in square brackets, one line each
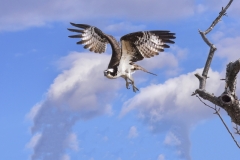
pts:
[133, 47]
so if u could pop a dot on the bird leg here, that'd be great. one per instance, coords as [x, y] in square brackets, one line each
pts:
[127, 82]
[135, 89]
[137, 67]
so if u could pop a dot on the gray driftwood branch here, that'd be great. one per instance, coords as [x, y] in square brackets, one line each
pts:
[217, 112]
[228, 99]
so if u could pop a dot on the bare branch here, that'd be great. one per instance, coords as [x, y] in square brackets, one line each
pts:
[203, 78]
[222, 13]
[231, 76]
[204, 102]
[217, 111]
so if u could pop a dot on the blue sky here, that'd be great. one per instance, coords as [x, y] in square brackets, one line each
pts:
[56, 103]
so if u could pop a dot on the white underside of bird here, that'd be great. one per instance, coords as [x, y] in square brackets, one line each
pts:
[125, 69]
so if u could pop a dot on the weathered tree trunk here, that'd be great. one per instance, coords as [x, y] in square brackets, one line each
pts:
[228, 99]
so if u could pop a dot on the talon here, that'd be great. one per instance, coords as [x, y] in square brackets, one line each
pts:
[135, 89]
[127, 85]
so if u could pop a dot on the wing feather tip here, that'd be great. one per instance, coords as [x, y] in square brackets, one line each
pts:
[75, 36]
[75, 30]
[84, 26]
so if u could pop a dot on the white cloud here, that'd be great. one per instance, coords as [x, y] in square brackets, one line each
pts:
[164, 59]
[171, 139]
[84, 84]
[181, 53]
[34, 111]
[216, 5]
[235, 9]
[169, 60]
[227, 40]
[65, 157]
[201, 8]
[216, 36]
[80, 92]
[37, 13]
[170, 107]
[228, 47]
[122, 26]
[33, 142]
[72, 141]
[133, 133]
[161, 157]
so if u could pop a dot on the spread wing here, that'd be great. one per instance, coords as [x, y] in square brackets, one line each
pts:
[147, 44]
[91, 37]
[139, 45]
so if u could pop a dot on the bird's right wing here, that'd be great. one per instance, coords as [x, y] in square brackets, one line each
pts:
[91, 37]
[146, 44]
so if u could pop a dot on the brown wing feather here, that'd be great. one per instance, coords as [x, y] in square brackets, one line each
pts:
[91, 37]
[147, 44]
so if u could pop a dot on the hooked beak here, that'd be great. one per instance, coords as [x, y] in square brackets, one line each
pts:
[105, 73]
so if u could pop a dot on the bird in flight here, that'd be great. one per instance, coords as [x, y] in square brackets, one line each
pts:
[133, 47]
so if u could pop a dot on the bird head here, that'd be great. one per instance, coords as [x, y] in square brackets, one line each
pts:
[109, 73]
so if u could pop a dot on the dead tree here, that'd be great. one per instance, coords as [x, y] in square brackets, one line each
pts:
[228, 99]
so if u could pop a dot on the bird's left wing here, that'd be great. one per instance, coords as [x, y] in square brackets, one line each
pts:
[91, 37]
